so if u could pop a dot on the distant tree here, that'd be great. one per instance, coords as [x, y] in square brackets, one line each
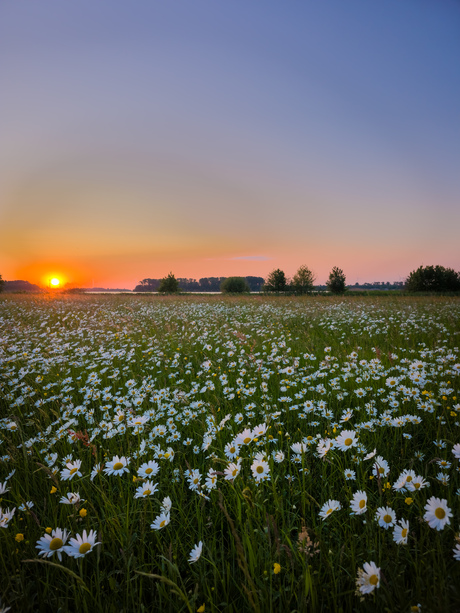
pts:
[234, 285]
[276, 282]
[336, 282]
[2, 283]
[255, 283]
[303, 281]
[433, 279]
[169, 285]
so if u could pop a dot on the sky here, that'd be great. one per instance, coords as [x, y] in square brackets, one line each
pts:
[213, 138]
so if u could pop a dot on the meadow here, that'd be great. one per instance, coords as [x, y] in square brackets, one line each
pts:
[218, 454]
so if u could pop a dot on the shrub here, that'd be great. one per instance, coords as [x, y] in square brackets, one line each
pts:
[433, 279]
[234, 285]
[336, 281]
[169, 285]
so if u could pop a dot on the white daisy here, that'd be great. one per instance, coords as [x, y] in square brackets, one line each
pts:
[81, 545]
[146, 489]
[368, 578]
[328, 508]
[359, 503]
[437, 513]
[386, 517]
[161, 521]
[260, 470]
[72, 470]
[346, 440]
[401, 532]
[71, 498]
[195, 554]
[53, 543]
[232, 471]
[148, 469]
[117, 466]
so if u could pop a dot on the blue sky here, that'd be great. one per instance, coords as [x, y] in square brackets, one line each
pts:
[214, 138]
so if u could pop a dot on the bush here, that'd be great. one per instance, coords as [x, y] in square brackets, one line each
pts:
[433, 279]
[276, 282]
[336, 282]
[303, 281]
[2, 283]
[234, 285]
[169, 285]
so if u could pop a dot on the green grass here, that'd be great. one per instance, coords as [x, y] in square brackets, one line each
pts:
[203, 369]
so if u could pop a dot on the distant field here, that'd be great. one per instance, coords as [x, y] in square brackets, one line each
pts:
[230, 454]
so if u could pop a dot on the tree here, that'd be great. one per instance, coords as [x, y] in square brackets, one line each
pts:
[169, 285]
[276, 281]
[336, 281]
[234, 285]
[2, 283]
[433, 279]
[303, 281]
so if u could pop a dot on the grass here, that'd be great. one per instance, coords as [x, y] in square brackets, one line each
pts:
[76, 374]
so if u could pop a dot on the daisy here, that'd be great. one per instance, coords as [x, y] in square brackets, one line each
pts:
[148, 469]
[346, 440]
[81, 545]
[231, 450]
[146, 489]
[370, 455]
[72, 470]
[456, 551]
[97, 470]
[437, 513]
[245, 437]
[52, 543]
[456, 451]
[166, 504]
[350, 475]
[386, 517]
[6, 516]
[161, 521]
[3, 488]
[232, 471]
[117, 466]
[381, 468]
[329, 507]
[359, 503]
[71, 498]
[260, 470]
[417, 483]
[401, 532]
[195, 554]
[368, 578]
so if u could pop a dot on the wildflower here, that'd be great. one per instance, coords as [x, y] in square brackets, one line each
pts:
[408, 500]
[381, 467]
[48, 530]
[146, 489]
[401, 532]
[417, 483]
[161, 521]
[368, 578]
[148, 469]
[52, 543]
[232, 471]
[19, 537]
[437, 513]
[346, 440]
[194, 479]
[166, 504]
[359, 503]
[201, 609]
[81, 545]
[260, 470]
[386, 517]
[245, 437]
[71, 498]
[195, 554]
[6, 516]
[231, 450]
[3, 488]
[276, 568]
[72, 470]
[83, 513]
[456, 451]
[53, 490]
[329, 507]
[350, 475]
[117, 466]
[97, 470]
[456, 551]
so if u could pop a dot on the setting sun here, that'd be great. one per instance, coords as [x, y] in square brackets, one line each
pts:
[54, 282]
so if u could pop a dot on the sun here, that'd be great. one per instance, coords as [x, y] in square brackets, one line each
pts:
[54, 282]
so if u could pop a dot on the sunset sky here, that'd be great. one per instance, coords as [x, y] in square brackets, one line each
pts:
[217, 138]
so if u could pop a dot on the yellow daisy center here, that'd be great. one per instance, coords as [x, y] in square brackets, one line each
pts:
[416, 485]
[234, 472]
[387, 519]
[56, 543]
[232, 449]
[348, 441]
[73, 471]
[440, 513]
[260, 469]
[404, 533]
[329, 511]
[148, 471]
[247, 440]
[147, 492]
[362, 504]
[381, 470]
[163, 523]
[84, 548]
[118, 466]
[408, 478]
[373, 579]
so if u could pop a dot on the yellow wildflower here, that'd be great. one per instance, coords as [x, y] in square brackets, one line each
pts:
[276, 568]
[19, 537]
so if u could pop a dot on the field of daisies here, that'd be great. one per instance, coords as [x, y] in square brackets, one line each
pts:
[229, 454]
